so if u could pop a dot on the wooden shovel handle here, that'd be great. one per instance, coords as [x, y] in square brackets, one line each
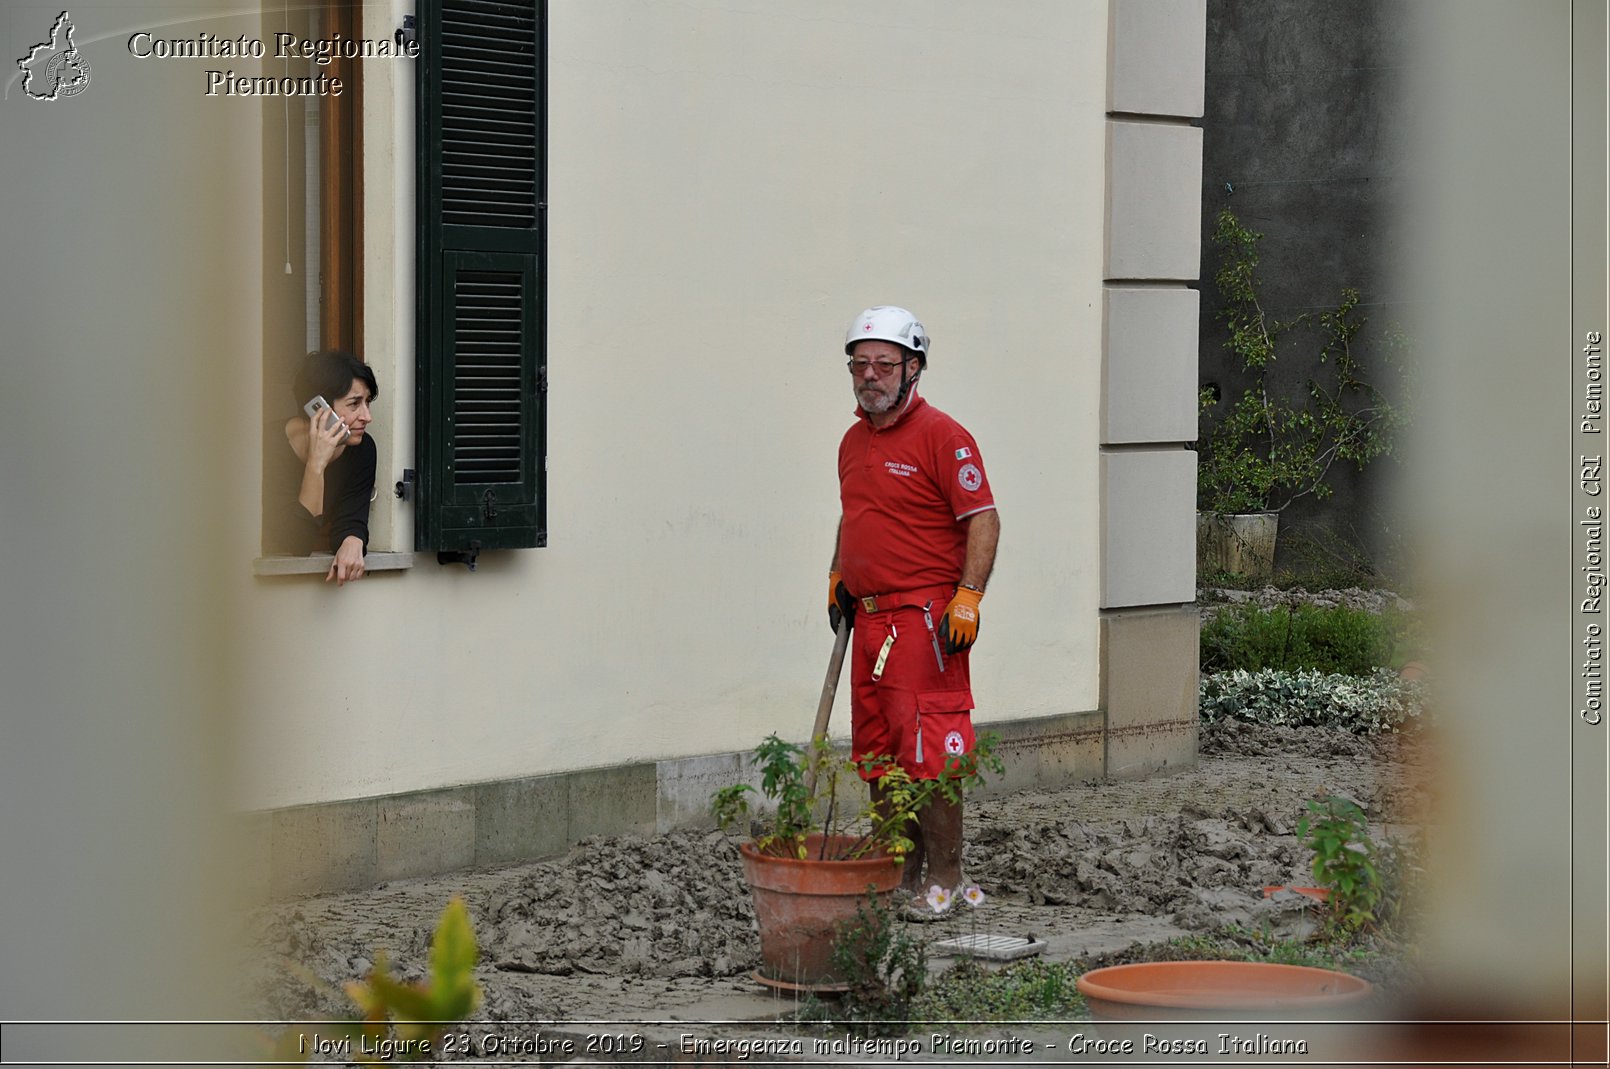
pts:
[830, 687]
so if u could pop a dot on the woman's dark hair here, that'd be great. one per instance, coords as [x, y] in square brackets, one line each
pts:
[329, 373]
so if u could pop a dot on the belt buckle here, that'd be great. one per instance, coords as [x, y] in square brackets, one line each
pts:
[869, 604]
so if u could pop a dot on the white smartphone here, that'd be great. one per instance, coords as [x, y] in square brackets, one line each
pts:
[313, 407]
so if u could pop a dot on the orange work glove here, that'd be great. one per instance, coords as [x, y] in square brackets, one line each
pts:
[959, 626]
[840, 605]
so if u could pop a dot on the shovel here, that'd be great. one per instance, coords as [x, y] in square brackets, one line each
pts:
[830, 686]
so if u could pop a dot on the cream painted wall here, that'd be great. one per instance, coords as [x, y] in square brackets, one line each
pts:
[729, 184]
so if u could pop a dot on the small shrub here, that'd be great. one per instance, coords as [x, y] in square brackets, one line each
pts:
[1338, 833]
[1324, 639]
[1330, 556]
[885, 967]
[1372, 885]
[800, 785]
[1365, 705]
[1022, 991]
[1402, 871]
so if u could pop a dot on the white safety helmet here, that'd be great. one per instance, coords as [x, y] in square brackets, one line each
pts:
[886, 322]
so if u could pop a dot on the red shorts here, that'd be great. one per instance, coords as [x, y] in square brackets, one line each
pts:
[916, 713]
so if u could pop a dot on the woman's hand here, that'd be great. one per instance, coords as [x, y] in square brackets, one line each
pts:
[348, 566]
[324, 445]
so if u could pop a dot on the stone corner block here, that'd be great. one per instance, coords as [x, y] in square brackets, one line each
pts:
[1149, 365]
[1154, 201]
[1148, 532]
[1157, 57]
[1149, 672]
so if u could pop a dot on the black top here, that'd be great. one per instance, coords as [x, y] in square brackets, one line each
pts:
[349, 482]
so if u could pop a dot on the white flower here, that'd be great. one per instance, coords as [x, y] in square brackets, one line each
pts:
[938, 899]
[974, 896]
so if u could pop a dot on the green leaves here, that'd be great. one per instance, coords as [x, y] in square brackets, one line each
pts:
[1263, 451]
[884, 966]
[1337, 831]
[453, 954]
[1365, 705]
[416, 1013]
[1331, 638]
[417, 1010]
[801, 809]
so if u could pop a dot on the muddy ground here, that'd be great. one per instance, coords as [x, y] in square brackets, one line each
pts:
[627, 927]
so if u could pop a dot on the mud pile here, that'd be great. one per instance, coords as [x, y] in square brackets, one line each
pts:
[632, 924]
[672, 906]
[1187, 867]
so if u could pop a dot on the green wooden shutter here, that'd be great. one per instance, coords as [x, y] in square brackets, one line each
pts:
[481, 386]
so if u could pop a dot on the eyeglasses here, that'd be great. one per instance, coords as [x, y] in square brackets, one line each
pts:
[884, 368]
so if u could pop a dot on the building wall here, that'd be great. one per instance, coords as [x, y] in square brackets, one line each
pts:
[729, 184]
[1304, 141]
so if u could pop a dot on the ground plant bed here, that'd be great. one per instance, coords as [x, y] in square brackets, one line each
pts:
[636, 928]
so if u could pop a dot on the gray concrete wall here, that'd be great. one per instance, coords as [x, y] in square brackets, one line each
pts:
[1302, 140]
[355, 844]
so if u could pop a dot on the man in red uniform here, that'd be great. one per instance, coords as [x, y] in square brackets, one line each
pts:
[915, 547]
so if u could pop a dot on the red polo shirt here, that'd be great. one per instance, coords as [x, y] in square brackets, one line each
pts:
[905, 489]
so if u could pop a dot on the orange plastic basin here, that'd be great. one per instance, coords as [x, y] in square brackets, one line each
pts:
[1168, 989]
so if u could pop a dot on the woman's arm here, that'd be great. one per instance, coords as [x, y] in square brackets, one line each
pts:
[349, 519]
[323, 446]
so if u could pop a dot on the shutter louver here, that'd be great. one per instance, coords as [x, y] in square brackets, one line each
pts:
[482, 381]
[489, 124]
[486, 381]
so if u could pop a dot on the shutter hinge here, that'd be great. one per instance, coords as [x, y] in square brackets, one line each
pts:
[542, 381]
[408, 33]
[405, 486]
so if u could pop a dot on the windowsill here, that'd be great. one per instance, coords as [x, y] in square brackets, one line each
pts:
[319, 564]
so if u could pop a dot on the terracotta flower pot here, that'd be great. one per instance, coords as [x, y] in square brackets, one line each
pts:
[799, 904]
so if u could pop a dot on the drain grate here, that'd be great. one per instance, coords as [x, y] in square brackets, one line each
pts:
[993, 947]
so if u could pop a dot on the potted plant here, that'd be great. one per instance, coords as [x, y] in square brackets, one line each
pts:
[811, 861]
[1264, 451]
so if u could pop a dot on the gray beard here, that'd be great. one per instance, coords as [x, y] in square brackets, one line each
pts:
[878, 407]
